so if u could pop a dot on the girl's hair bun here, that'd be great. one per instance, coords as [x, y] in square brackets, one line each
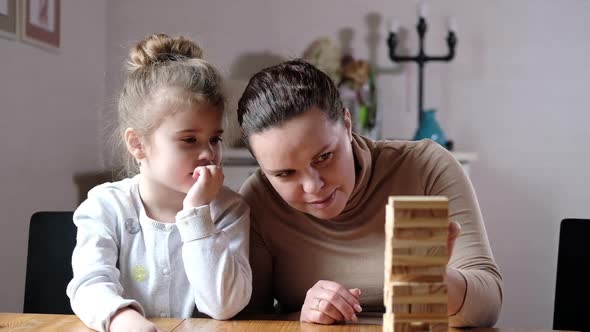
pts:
[160, 48]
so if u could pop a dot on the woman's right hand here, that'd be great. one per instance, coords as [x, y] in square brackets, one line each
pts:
[328, 302]
[129, 320]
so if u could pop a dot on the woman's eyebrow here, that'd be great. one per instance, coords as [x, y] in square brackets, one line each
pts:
[321, 151]
[326, 146]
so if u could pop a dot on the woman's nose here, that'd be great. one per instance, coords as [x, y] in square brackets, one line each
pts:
[312, 182]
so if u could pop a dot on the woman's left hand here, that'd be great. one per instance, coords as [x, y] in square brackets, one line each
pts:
[454, 231]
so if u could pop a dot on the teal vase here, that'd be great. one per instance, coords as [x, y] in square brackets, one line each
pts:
[429, 128]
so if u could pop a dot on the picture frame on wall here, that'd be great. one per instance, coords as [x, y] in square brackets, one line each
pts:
[9, 19]
[41, 23]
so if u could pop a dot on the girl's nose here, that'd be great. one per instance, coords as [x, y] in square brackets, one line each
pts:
[208, 154]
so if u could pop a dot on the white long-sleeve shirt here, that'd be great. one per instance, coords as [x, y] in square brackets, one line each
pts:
[124, 258]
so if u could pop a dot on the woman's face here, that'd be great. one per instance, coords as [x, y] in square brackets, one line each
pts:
[309, 162]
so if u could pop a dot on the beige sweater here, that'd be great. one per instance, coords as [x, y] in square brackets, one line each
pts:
[290, 251]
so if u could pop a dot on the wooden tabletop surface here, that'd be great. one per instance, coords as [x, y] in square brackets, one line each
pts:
[44, 323]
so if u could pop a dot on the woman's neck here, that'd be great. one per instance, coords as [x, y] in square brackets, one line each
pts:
[160, 202]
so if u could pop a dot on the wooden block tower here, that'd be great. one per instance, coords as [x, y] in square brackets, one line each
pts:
[416, 257]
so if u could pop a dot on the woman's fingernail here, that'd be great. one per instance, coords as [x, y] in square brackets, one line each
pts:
[354, 318]
[358, 308]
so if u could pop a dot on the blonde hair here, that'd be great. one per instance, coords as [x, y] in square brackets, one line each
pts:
[165, 69]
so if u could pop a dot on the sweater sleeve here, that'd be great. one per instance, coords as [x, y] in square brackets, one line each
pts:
[95, 291]
[262, 281]
[215, 255]
[260, 257]
[472, 256]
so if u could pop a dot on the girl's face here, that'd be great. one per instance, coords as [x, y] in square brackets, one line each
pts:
[183, 141]
[309, 162]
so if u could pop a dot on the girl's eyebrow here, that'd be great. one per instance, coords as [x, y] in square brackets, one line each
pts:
[192, 130]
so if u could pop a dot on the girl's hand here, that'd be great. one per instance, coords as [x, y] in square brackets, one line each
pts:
[129, 320]
[209, 181]
[328, 302]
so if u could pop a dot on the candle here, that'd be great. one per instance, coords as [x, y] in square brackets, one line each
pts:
[393, 25]
[422, 9]
[452, 24]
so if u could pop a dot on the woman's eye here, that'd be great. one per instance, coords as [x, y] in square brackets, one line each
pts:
[324, 157]
[283, 174]
[189, 139]
[216, 140]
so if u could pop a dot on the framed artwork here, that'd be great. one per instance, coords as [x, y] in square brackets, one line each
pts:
[9, 19]
[40, 23]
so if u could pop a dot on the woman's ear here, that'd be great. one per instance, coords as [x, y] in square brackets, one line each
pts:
[347, 122]
[134, 144]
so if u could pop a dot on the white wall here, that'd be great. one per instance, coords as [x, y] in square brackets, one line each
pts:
[516, 94]
[48, 131]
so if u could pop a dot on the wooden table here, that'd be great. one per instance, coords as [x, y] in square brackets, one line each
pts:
[70, 323]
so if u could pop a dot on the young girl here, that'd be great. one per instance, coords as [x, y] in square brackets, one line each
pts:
[170, 237]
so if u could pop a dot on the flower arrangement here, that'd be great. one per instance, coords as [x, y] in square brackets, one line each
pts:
[355, 80]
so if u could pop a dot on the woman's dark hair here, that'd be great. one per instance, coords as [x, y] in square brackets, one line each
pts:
[283, 92]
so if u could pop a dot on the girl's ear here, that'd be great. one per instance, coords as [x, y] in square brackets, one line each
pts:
[347, 123]
[134, 144]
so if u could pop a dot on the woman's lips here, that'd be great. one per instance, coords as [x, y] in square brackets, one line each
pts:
[323, 203]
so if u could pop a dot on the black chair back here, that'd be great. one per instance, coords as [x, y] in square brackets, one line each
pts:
[571, 287]
[52, 237]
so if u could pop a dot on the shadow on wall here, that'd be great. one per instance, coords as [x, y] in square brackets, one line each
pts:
[241, 71]
[374, 38]
[246, 65]
[511, 220]
[86, 181]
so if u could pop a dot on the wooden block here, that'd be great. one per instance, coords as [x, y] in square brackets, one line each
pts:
[419, 202]
[423, 317]
[415, 327]
[418, 297]
[388, 324]
[439, 288]
[440, 308]
[415, 294]
[419, 327]
[419, 234]
[403, 272]
[418, 250]
[412, 327]
[439, 327]
[419, 213]
[414, 260]
[391, 325]
[423, 223]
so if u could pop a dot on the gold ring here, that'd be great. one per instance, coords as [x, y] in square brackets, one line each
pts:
[317, 304]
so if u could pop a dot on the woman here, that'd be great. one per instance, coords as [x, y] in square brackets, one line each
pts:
[317, 205]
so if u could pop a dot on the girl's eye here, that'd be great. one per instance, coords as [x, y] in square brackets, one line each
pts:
[324, 157]
[189, 139]
[216, 140]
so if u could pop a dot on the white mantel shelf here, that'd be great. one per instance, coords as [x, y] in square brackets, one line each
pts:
[238, 165]
[465, 157]
[233, 156]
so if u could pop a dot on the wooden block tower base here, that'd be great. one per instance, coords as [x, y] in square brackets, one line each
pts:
[416, 257]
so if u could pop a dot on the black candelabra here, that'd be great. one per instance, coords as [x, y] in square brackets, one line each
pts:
[421, 58]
